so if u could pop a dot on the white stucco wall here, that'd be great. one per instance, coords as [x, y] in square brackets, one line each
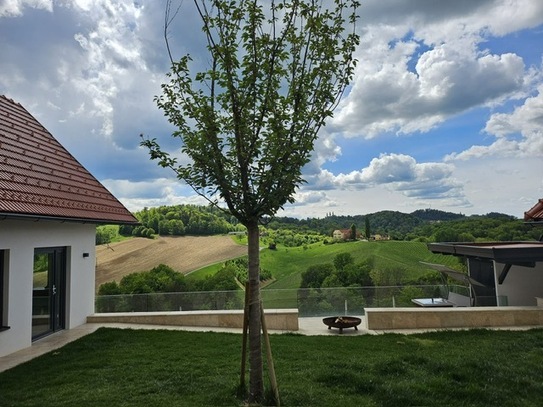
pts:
[522, 284]
[20, 238]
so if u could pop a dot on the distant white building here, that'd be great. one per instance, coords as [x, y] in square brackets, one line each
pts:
[49, 208]
[341, 234]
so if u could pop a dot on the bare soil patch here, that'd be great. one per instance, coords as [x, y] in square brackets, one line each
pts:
[182, 253]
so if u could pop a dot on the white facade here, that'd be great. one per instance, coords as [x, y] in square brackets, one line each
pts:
[521, 286]
[18, 240]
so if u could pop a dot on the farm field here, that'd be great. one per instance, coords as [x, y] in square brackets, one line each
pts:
[202, 256]
[182, 253]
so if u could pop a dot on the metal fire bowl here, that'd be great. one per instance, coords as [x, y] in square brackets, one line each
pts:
[342, 322]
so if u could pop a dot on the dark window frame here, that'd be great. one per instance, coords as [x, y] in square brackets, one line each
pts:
[3, 293]
[57, 274]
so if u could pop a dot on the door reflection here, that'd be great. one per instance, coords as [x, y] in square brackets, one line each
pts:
[41, 295]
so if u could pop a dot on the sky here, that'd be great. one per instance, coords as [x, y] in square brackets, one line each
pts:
[445, 110]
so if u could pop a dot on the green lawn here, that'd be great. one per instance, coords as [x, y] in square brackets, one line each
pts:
[152, 368]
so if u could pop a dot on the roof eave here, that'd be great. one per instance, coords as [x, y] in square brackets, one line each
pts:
[502, 252]
[38, 218]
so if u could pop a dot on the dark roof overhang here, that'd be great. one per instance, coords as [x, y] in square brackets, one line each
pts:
[520, 253]
[36, 218]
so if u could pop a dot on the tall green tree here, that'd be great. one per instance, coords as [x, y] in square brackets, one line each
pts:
[248, 122]
[367, 226]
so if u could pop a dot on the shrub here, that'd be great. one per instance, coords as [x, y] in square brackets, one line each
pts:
[106, 234]
[315, 275]
[407, 294]
[109, 288]
[241, 267]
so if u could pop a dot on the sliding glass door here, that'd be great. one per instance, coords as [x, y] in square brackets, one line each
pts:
[48, 291]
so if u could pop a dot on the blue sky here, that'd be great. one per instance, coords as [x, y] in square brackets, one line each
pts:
[445, 110]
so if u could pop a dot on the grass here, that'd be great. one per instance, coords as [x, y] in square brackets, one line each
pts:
[114, 367]
[204, 272]
[288, 263]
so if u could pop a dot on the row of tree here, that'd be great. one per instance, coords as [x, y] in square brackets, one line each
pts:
[163, 279]
[424, 225]
[182, 220]
[165, 284]
[476, 228]
[171, 291]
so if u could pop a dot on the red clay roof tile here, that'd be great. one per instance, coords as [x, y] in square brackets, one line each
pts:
[535, 213]
[40, 178]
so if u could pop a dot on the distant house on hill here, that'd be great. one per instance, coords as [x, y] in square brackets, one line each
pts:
[379, 237]
[341, 234]
[49, 208]
[344, 234]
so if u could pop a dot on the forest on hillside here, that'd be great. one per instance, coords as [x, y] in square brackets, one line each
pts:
[427, 225]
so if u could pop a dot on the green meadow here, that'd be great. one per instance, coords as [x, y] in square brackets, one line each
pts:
[288, 263]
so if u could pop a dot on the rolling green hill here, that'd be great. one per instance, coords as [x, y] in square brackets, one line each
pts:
[287, 264]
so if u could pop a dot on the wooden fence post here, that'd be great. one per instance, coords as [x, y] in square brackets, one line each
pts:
[271, 368]
[244, 340]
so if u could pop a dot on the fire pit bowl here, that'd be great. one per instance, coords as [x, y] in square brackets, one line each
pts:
[342, 322]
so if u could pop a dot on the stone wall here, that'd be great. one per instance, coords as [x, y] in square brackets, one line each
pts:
[280, 319]
[460, 317]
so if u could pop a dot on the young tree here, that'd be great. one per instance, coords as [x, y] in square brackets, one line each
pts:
[342, 260]
[248, 123]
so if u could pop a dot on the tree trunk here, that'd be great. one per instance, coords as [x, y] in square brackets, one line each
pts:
[256, 382]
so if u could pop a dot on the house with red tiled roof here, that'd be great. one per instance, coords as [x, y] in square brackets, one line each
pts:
[535, 214]
[49, 208]
[341, 234]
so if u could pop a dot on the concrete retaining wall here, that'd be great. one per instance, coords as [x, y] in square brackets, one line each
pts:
[460, 317]
[280, 319]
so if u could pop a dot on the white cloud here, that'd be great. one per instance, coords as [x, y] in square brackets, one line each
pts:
[517, 134]
[396, 172]
[311, 198]
[440, 21]
[321, 179]
[14, 8]
[89, 69]
[111, 55]
[92, 76]
[157, 192]
[389, 168]
[507, 16]
[507, 185]
[421, 63]
[387, 97]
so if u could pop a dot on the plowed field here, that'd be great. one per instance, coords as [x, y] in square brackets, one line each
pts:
[182, 253]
